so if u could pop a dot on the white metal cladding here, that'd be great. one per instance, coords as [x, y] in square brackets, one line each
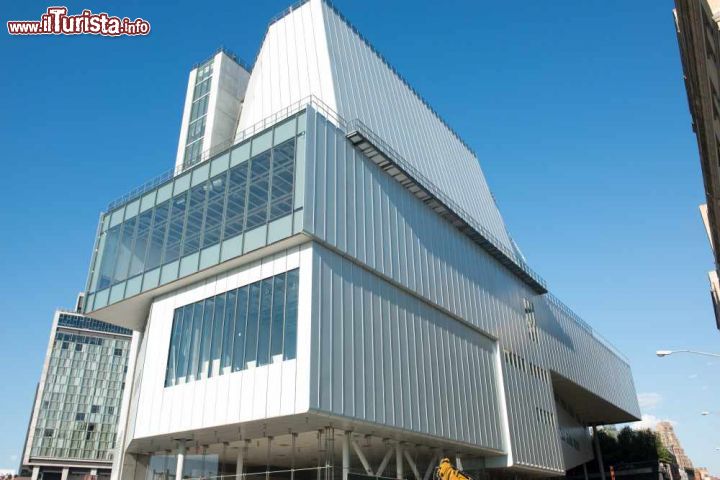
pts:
[292, 65]
[573, 352]
[313, 51]
[381, 355]
[531, 414]
[366, 87]
[353, 206]
[280, 388]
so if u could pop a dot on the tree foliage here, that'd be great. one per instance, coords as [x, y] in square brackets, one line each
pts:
[630, 446]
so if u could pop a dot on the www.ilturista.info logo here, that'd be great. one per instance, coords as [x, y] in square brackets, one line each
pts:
[56, 21]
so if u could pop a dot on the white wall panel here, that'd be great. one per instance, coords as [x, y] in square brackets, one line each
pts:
[293, 64]
[251, 394]
[312, 51]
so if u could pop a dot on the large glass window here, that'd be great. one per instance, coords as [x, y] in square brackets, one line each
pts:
[281, 190]
[246, 196]
[258, 191]
[256, 324]
[175, 229]
[196, 212]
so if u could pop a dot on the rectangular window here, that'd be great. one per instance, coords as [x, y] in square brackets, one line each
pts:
[258, 191]
[205, 338]
[278, 312]
[157, 238]
[217, 331]
[283, 169]
[240, 329]
[214, 210]
[176, 223]
[109, 257]
[142, 237]
[227, 332]
[196, 212]
[291, 313]
[235, 211]
[125, 250]
[266, 296]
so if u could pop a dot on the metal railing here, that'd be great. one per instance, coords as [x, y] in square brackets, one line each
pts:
[426, 183]
[217, 150]
[346, 127]
[585, 326]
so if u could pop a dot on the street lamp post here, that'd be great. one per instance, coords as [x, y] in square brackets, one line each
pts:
[665, 353]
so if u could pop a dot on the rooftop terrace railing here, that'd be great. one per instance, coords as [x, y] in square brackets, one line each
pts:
[585, 326]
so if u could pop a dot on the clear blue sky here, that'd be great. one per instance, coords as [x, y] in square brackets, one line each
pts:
[577, 111]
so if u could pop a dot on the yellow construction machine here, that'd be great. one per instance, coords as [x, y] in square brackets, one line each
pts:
[446, 471]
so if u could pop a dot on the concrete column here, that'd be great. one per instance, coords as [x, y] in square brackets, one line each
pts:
[240, 463]
[180, 461]
[598, 453]
[585, 471]
[292, 460]
[65, 473]
[346, 455]
[35, 473]
[398, 461]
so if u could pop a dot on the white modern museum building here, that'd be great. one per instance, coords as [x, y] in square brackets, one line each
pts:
[324, 287]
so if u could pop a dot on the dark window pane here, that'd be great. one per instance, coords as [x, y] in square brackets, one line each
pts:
[205, 337]
[171, 375]
[263, 353]
[278, 312]
[194, 354]
[185, 338]
[235, 211]
[157, 238]
[281, 194]
[251, 330]
[228, 330]
[240, 329]
[217, 332]
[291, 312]
[258, 191]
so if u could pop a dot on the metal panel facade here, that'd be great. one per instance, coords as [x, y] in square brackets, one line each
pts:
[355, 208]
[380, 355]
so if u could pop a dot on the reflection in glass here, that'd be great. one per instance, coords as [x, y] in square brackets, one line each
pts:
[248, 325]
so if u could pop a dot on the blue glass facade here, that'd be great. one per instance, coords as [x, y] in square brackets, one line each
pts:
[227, 332]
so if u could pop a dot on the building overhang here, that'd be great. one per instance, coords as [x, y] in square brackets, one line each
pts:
[233, 435]
[589, 407]
[133, 312]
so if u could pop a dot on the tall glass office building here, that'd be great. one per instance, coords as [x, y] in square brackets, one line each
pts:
[73, 427]
[327, 288]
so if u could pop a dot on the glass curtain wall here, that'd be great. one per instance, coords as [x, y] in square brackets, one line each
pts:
[244, 197]
[251, 325]
[198, 114]
[81, 397]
